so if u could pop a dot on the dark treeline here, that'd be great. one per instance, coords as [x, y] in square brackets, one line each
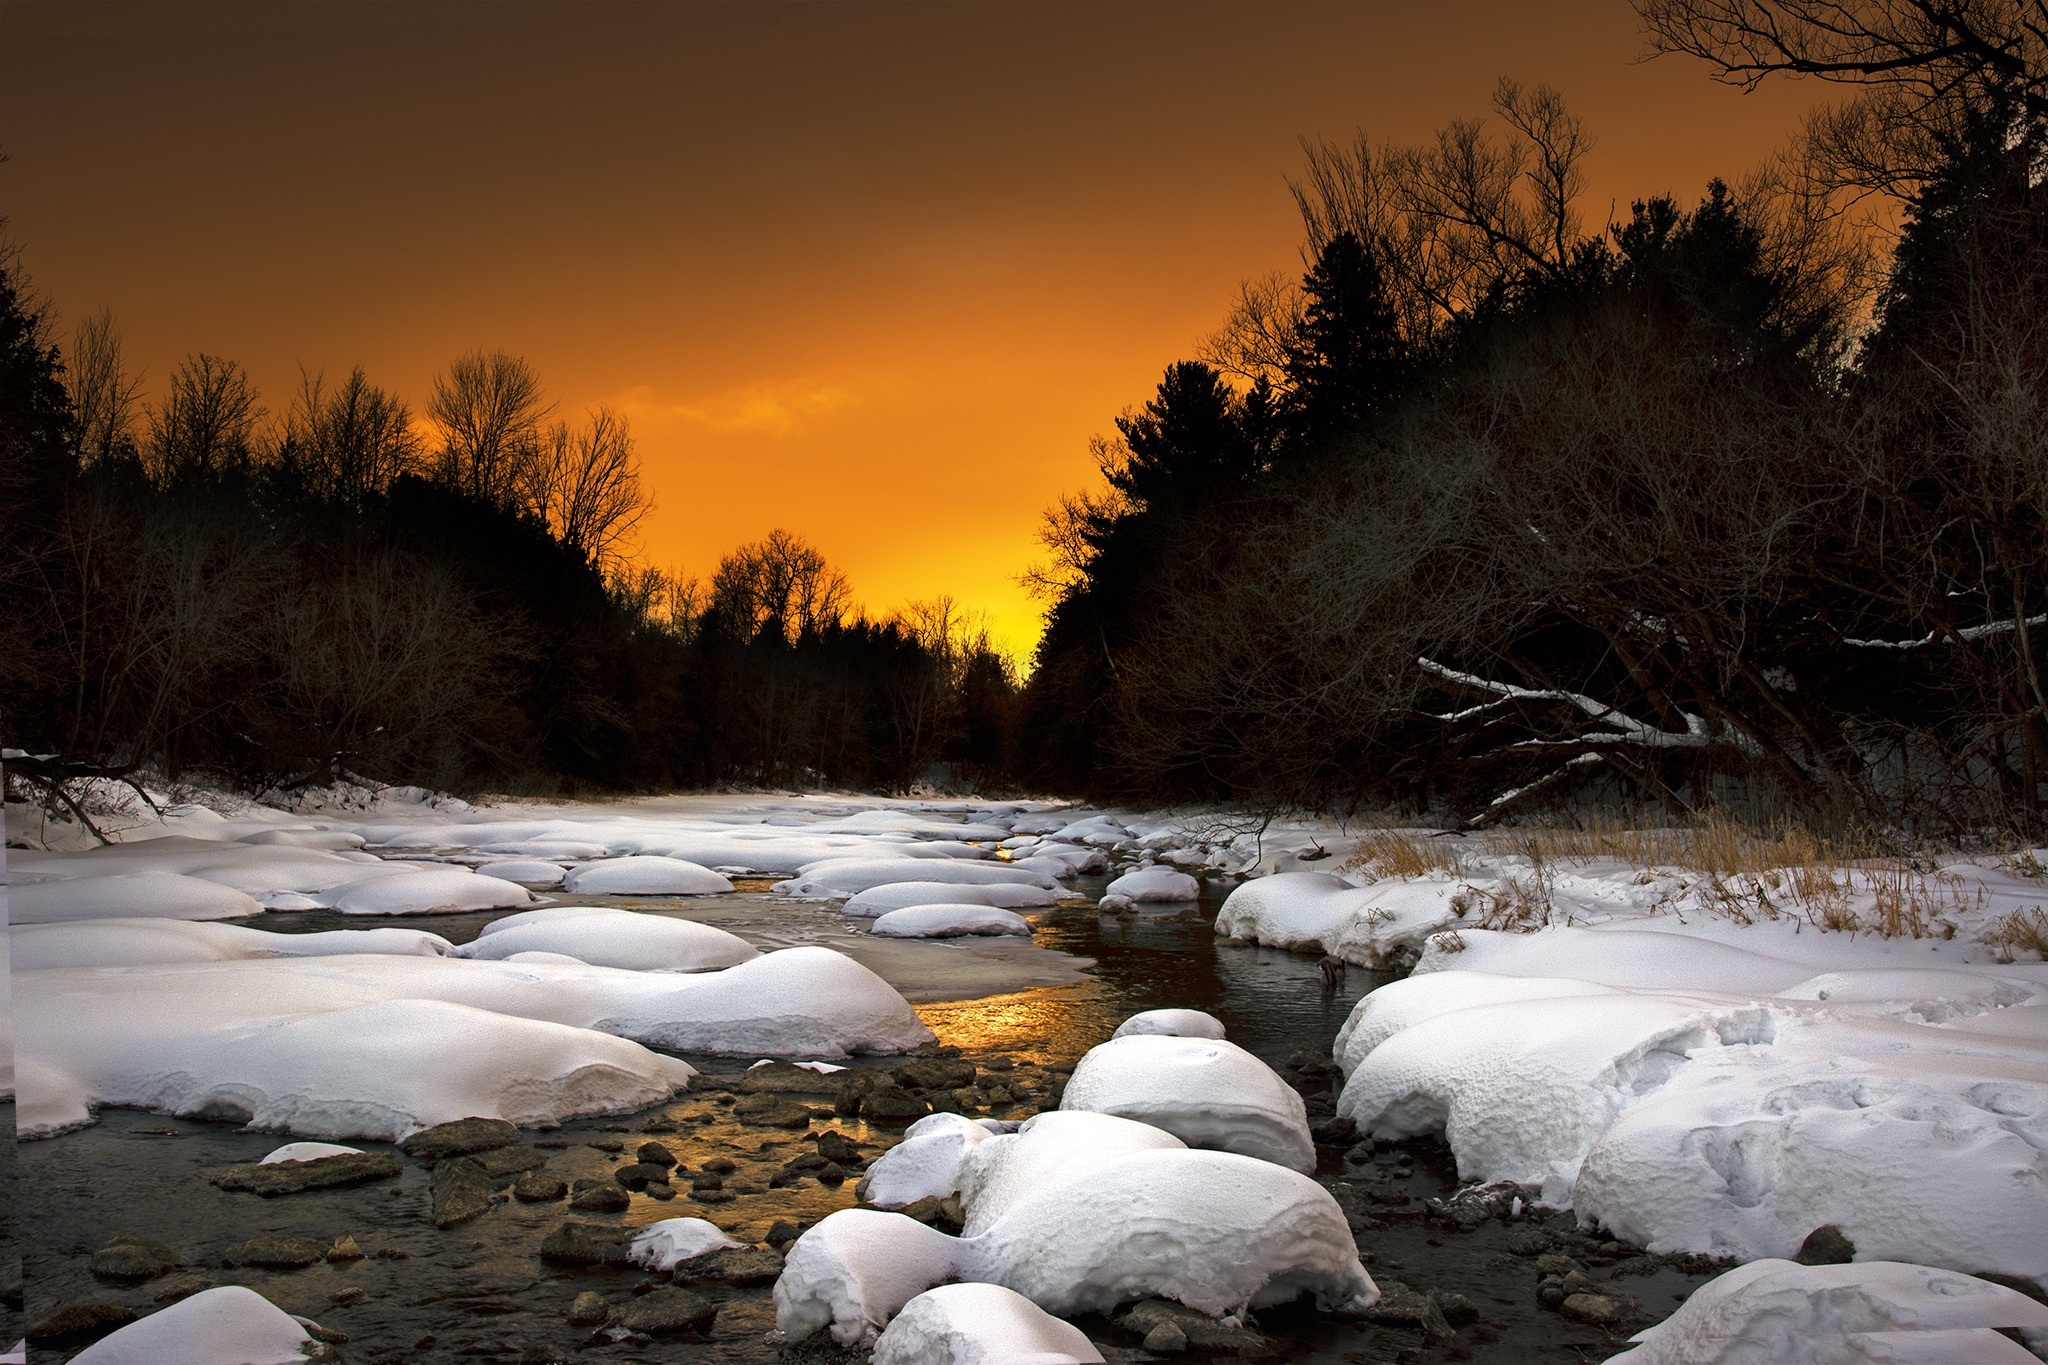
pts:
[200, 589]
[1711, 505]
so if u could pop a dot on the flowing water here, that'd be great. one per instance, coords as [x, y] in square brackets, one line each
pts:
[480, 1291]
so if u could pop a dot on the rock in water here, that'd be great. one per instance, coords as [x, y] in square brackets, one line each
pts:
[276, 1252]
[669, 1310]
[730, 1265]
[461, 1191]
[599, 1196]
[291, 1177]
[135, 1259]
[1400, 1306]
[588, 1310]
[588, 1244]
[75, 1320]
[459, 1137]
[1195, 1329]
[538, 1187]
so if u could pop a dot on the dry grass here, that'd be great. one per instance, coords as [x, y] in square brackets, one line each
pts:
[1404, 853]
[2022, 931]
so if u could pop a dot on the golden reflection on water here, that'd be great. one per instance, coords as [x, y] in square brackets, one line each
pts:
[1052, 1025]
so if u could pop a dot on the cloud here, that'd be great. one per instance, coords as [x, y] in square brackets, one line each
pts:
[768, 407]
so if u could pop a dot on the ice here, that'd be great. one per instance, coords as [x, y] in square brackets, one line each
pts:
[659, 1246]
[1174, 1023]
[880, 900]
[533, 873]
[931, 1160]
[950, 921]
[1867, 1311]
[1155, 884]
[850, 876]
[436, 889]
[645, 875]
[229, 1325]
[980, 1324]
[616, 938]
[855, 1269]
[156, 895]
[307, 1151]
[138, 942]
[1206, 1092]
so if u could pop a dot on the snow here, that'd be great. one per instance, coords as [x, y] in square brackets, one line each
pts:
[1155, 884]
[645, 875]
[156, 895]
[660, 1246]
[1174, 1023]
[931, 1160]
[856, 1269]
[528, 872]
[429, 890]
[880, 900]
[615, 938]
[980, 1324]
[1205, 1091]
[307, 1151]
[850, 876]
[950, 921]
[1047, 1149]
[1867, 1311]
[230, 1325]
[138, 942]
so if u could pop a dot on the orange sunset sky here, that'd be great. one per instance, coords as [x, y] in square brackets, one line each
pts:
[872, 272]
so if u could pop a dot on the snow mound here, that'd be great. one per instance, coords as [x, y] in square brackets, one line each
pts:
[855, 1270]
[880, 900]
[1213, 1230]
[429, 890]
[798, 1002]
[377, 1070]
[534, 873]
[307, 1151]
[1047, 1149]
[1624, 958]
[138, 942]
[1368, 925]
[1866, 1311]
[950, 921]
[212, 1327]
[1155, 884]
[617, 938]
[1409, 1001]
[645, 875]
[931, 1160]
[1173, 1023]
[1205, 1091]
[1288, 909]
[154, 895]
[851, 876]
[660, 1246]
[980, 1324]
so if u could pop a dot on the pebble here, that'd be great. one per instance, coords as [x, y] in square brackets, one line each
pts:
[1601, 1310]
[589, 1309]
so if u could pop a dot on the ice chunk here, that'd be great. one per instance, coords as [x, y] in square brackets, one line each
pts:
[443, 889]
[850, 876]
[659, 1246]
[618, 938]
[645, 875]
[950, 921]
[880, 900]
[1865, 1311]
[154, 895]
[213, 1327]
[307, 1151]
[980, 1324]
[1206, 1092]
[1155, 884]
[1173, 1023]
[855, 1270]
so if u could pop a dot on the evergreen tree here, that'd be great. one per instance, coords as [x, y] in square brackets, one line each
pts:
[1348, 358]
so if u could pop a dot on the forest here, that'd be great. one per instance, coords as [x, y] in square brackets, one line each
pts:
[1740, 501]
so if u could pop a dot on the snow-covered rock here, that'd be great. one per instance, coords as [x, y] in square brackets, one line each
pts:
[307, 1151]
[661, 1246]
[1206, 1092]
[230, 1325]
[950, 921]
[645, 875]
[1155, 883]
[1867, 1311]
[427, 891]
[152, 895]
[617, 938]
[850, 876]
[980, 1324]
[533, 873]
[136, 942]
[1172, 1023]
[1045, 1150]
[880, 900]
[855, 1269]
[931, 1160]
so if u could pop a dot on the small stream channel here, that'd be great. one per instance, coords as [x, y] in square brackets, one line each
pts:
[482, 1292]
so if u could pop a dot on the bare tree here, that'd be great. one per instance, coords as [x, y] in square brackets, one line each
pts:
[779, 585]
[586, 486]
[206, 425]
[489, 409]
[103, 393]
[349, 443]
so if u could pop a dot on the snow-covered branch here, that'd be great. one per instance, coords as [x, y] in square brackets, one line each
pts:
[1966, 635]
[1621, 728]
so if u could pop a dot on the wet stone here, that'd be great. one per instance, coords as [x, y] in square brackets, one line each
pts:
[1198, 1330]
[276, 1252]
[587, 1244]
[135, 1259]
[501, 1162]
[76, 1321]
[1400, 1306]
[1598, 1310]
[721, 1165]
[461, 1191]
[459, 1138]
[893, 1105]
[933, 1073]
[599, 1196]
[181, 1287]
[654, 1154]
[730, 1265]
[343, 1298]
[538, 1187]
[343, 1250]
[293, 1177]
[782, 1232]
[1166, 1338]
[836, 1146]
[669, 1310]
[588, 1310]
[1826, 1245]
[1530, 1241]
[771, 1111]
[640, 1175]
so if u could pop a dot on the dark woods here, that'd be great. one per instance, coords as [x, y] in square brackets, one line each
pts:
[1487, 509]
[199, 589]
